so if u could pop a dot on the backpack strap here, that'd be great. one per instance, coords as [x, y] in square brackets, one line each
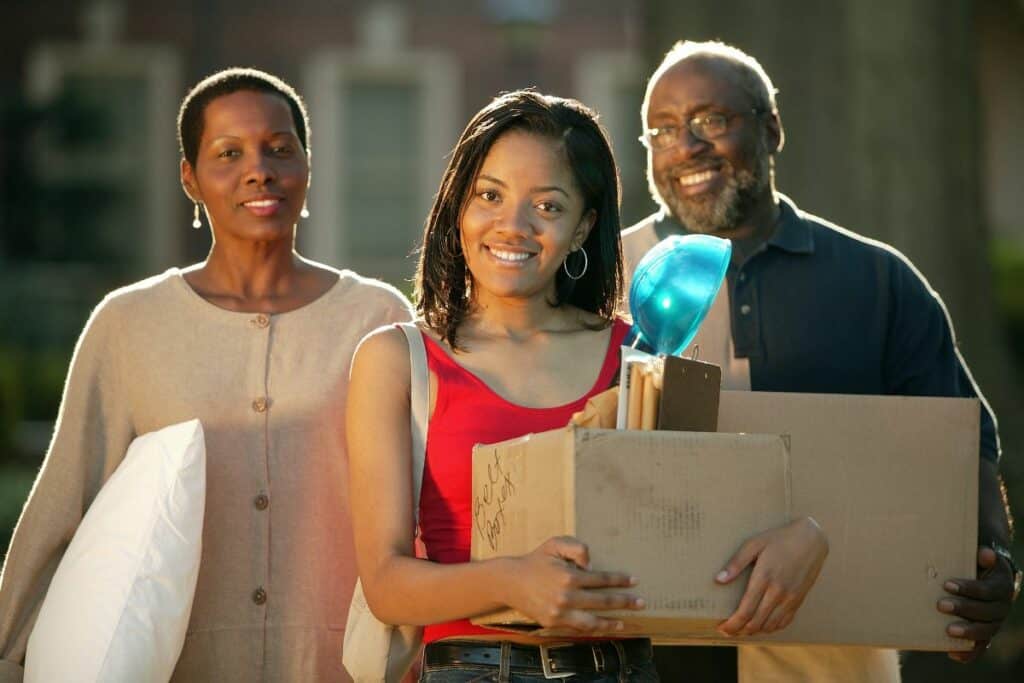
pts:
[419, 407]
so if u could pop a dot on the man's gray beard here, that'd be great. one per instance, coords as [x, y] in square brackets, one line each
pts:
[724, 211]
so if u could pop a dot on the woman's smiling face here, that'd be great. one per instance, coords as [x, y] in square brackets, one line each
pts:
[251, 171]
[523, 216]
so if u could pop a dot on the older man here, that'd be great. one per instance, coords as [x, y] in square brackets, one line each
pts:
[809, 307]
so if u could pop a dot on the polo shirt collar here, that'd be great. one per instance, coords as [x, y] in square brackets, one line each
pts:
[792, 233]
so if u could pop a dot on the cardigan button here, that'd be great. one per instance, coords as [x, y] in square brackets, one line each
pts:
[261, 501]
[262, 320]
[260, 404]
[259, 596]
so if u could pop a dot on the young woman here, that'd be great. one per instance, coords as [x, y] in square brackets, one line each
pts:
[518, 284]
[256, 342]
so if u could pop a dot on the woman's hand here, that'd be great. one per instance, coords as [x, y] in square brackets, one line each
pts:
[786, 562]
[554, 586]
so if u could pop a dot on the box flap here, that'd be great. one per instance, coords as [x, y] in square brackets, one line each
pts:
[519, 493]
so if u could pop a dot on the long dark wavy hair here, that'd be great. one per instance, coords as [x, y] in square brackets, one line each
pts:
[442, 279]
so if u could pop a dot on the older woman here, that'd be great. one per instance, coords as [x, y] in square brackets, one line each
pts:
[256, 342]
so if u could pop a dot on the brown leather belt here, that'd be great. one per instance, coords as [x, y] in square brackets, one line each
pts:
[555, 660]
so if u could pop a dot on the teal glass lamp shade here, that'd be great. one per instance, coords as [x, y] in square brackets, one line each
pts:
[673, 288]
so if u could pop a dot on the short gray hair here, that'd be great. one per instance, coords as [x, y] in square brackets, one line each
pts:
[753, 78]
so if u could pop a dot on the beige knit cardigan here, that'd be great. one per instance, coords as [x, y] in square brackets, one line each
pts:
[277, 565]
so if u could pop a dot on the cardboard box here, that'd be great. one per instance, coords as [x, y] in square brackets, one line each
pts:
[893, 481]
[649, 503]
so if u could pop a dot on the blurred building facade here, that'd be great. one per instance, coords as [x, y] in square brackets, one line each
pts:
[389, 86]
[90, 194]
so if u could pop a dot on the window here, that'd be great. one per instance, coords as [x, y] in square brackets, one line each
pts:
[104, 158]
[612, 83]
[383, 124]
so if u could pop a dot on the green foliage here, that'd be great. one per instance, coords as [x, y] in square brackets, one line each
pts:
[1008, 274]
[44, 373]
[15, 483]
[31, 383]
[12, 392]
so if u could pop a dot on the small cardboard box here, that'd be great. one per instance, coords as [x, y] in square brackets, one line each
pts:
[649, 503]
[892, 480]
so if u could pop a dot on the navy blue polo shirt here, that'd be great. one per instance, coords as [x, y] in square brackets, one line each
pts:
[820, 309]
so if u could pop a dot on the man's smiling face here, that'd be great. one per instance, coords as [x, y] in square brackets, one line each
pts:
[710, 186]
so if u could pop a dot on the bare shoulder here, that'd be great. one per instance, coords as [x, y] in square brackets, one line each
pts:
[384, 352]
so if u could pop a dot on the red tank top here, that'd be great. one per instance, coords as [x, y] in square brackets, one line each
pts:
[468, 412]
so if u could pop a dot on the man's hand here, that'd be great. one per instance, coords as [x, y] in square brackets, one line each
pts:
[982, 603]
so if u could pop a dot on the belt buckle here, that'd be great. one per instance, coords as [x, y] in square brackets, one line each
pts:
[598, 654]
[546, 664]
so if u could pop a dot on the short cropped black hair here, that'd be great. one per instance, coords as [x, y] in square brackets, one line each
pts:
[442, 276]
[225, 82]
[752, 76]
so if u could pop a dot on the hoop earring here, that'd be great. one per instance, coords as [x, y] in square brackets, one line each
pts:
[196, 223]
[586, 263]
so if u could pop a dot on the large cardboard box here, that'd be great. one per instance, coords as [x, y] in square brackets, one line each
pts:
[894, 483]
[893, 480]
[649, 503]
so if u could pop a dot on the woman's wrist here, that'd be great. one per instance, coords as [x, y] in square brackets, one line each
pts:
[811, 526]
[505, 572]
[807, 522]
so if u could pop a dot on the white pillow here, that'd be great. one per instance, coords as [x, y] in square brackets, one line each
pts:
[119, 603]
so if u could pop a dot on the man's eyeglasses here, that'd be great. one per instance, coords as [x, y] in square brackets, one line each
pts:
[704, 127]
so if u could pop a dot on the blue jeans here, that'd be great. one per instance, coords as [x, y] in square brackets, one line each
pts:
[637, 672]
